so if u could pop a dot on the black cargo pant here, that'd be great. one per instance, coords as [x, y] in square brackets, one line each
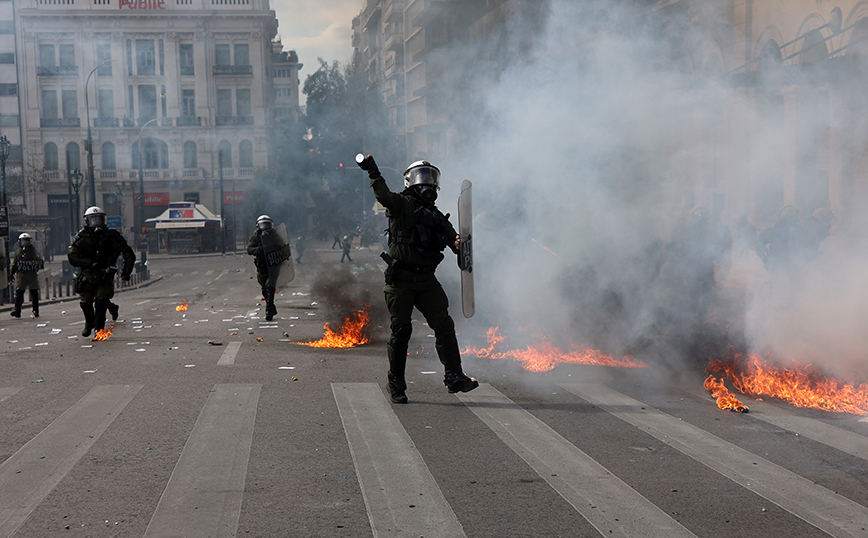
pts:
[425, 293]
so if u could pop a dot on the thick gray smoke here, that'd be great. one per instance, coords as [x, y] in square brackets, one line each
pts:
[587, 157]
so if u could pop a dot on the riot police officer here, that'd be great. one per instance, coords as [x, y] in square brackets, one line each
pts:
[95, 251]
[418, 234]
[255, 248]
[779, 247]
[26, 265]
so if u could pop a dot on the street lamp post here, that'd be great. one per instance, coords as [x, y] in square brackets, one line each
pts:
[88, 145]
[141, 222]
[119, 198]
[222, 204]
[5, 146]
[76, 178]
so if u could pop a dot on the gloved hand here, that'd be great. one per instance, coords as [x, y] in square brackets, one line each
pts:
[125, 277]
[368, 165]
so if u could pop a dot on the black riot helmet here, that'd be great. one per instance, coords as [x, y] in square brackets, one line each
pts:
[424, 177]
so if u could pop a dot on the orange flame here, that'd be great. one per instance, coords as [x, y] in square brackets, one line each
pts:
[181, 307]
[725, 399]
[102, 334]
[350, 334]
[544, 356]
[800, 385]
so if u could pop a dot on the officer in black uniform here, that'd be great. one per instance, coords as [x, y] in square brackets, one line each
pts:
[255, 248]
[418, 234]
[95, 250]
[779, 247]
[26, 265]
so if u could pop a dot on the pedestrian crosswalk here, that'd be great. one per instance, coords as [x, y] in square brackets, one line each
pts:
[204, 494]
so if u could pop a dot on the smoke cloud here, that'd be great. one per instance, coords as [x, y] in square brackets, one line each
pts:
[588, 151]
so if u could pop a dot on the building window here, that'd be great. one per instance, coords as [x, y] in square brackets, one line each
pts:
[186, 61]
[129, 57]
[145, 57]
[147, 102]
[163, 100]
[49, 104]
[224, 150]
[106, 105]
[155, 154]
[284, 92]
[70, 103]
[7, 89]
[190, 158]
[188, 103]
[67, 55]
[9, 120]
[7, 58]
[224, 103]
[162, 59]
[242, 102]
[222, 55]
[46, 56]
[242, 55]
[51, 156]
[103, 60]
[73, 156]
[245, 154]
[108, 156]
[7, 27]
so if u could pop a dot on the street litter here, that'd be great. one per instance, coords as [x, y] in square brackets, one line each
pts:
[190, 366]
[215, 342]
[40, 380]
[286, 367]
[89, 372]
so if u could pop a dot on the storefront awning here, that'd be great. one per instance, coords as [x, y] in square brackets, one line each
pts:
[184, 215]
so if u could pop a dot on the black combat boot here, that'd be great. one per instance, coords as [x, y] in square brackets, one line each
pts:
[34, 300]
[458, 382]
[19, 300]
[87, 308]
[397, 386]
[114, 310]
[100, 307]
[270, 309]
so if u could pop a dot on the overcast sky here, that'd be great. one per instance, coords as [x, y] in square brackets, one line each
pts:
[317, 28]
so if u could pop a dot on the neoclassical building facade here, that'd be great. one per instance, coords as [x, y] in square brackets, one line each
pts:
[178, 89]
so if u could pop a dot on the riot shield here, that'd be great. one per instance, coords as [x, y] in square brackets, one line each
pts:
[278, 258]
[465, 248]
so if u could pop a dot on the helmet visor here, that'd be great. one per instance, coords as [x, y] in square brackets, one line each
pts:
[423, 175]
[265, 225]
[95, 220]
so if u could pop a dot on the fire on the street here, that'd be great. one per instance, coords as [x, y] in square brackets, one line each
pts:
[350, 334]
[544, 356]
[181, 307]
[800, 385]
[102, 334]
[725, 399]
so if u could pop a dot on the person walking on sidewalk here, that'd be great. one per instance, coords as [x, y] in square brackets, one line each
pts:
[26, 266]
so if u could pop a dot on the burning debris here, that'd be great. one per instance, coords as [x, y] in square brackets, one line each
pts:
[544, 356]
[102, 334]
[181, 307]
[800, 385]
[351, 334]
[725, 399]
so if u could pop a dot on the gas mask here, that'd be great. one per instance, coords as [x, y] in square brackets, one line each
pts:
[427, 193]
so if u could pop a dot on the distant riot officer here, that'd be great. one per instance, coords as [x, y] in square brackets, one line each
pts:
[346, 245]
[26, 265]
[95, 250]
[815, 230]
[255, 248]
[418, 234]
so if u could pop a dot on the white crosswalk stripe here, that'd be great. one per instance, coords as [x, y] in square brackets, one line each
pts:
[6, 392]
[203, 496]
[815, 504]
[49, 456]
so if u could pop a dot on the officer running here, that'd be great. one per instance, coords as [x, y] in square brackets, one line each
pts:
[95, 251]
[255, 248]
[26, 265]
[418, 234]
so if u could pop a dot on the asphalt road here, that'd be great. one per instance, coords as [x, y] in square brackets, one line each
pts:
[160, 431]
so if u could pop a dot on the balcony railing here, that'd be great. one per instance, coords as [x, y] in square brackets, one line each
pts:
[57, 71]
[245, 172]
[128, 122]
[60, 122]
[106, 122]
[233, 120]
[233, 70]
[191, 173]
[108, 174]
[52, 174]
[188, 121]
